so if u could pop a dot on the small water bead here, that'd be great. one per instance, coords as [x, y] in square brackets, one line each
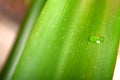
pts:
[96, 39]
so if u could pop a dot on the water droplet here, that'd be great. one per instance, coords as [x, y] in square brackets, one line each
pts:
[96, 39]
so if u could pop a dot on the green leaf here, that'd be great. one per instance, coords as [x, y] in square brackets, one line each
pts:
[69, 40]
[26, 27]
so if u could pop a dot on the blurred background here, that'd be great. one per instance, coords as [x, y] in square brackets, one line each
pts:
[12, 13]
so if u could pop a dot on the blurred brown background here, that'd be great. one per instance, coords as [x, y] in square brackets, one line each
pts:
[11, 15]
[15, 9]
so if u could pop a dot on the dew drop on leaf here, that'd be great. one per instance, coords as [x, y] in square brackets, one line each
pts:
[96, 38]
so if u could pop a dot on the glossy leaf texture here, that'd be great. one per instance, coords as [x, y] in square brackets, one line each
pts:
[70, 40]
